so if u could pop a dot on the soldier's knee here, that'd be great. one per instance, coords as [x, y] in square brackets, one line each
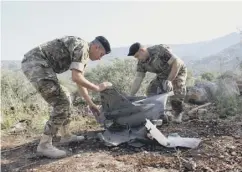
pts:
[48, 88]
[65, 104]
[66, 95]
[177, 105]
[62, 106]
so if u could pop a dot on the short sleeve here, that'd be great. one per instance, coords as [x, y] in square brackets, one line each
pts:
[166, 54]
[80, 56]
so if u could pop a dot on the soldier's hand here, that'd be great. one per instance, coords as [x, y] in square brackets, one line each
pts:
[104, 86]
[95, 109]
[167, 85]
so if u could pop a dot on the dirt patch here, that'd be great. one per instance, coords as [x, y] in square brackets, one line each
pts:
[220, 150]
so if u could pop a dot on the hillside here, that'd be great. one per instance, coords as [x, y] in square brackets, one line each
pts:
[227, 59]
[199, 50]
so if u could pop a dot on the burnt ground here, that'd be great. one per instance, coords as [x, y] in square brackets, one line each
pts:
[220, 150]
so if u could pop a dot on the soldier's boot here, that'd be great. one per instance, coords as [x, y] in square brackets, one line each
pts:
[67, 137]
[45, 148]
[177, 118]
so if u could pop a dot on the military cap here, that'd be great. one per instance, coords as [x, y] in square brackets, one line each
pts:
[104, 43]
[134, 48]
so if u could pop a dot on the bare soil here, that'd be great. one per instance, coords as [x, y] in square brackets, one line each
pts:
[220, 150]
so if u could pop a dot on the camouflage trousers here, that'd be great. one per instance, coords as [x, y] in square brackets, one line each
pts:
[45, 80]
[179, 89]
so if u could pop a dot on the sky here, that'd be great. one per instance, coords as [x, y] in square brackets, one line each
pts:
[25, 25]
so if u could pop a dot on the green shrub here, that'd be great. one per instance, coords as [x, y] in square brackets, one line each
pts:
[227, 98]
[19, 100]
[208, 76]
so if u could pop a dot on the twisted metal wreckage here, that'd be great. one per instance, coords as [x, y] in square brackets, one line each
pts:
[130, 120]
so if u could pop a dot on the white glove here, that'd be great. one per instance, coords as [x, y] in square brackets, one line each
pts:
[167, 85]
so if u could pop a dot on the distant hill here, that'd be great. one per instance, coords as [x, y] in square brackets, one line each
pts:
[199, 50]
[192, 51]
[197, 54]
[13, 65]
[228, 59]
[188, 52]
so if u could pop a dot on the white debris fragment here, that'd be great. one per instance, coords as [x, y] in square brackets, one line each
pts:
[156, 134]
[176, 141]
[172, 140]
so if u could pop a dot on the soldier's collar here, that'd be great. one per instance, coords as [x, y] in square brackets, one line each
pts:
[148, 60]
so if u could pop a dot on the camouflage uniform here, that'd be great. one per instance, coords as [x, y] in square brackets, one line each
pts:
[160, 58]
[40, 66]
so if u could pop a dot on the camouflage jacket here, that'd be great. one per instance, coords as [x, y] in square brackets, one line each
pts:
[159, 61]
[68, 52]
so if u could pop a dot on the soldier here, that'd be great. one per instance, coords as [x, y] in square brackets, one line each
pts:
[170, 72]
[40, 66]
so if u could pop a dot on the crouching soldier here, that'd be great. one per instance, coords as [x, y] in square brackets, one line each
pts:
[170, 70]
[41, 64]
